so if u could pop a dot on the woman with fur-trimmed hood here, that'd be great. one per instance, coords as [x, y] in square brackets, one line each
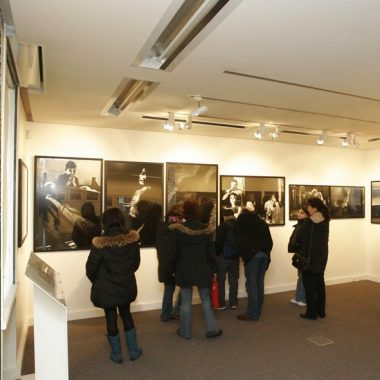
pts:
[111, 266]
[194, 264]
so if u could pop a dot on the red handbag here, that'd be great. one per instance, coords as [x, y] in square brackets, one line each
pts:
[214, 292]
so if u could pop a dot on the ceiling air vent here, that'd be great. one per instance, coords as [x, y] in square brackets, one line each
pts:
[129, 91]
[31, 68]
[176, 34]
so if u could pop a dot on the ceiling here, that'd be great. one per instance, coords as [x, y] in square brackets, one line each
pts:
[302, 65]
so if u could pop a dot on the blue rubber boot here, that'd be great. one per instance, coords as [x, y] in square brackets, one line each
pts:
[116, 354]
[134, 351]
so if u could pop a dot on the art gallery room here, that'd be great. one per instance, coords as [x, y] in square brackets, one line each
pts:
[111, 103]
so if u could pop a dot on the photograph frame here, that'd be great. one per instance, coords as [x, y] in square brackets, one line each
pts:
[299, 193]
[375, 202]
[56, 212]
[265, 194]
[128, 182]
[197, 181]
[347, 202]
[22, 211]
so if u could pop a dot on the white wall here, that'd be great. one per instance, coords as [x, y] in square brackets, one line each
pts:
[299, 164]
[373, 230]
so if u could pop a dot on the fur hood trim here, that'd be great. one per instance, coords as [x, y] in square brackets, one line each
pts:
[115, 241]
[317, 217]
[188, 231]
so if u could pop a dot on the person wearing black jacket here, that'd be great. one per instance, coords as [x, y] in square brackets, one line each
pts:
[194, 264]
[228, 259]
[313, 240]
[111, 266]
[254, 246]
[164, 256]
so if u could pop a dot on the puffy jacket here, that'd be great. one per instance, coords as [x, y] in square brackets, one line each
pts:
[111, 267]
[164, 253]
[293, 245]
[194, 260]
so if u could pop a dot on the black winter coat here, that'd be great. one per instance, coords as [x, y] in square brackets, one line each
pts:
[111, 267]
[293, 245]
[224, 228]
[313, 237]
[194, 260]
[253, 236]
[164, 253]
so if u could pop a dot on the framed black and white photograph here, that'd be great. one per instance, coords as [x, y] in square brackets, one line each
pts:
[68, 202]
[299, 194]
[347, 202]
[264, 195]
[375, 202]
[193, 181]
[137, 189]
[23, 191]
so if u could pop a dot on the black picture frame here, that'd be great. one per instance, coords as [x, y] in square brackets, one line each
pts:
[299, 194]
[192, 181]
[22, 211]
[375, 202]
[266, 194]
[347, 202]
[59, 198]
[128, 183]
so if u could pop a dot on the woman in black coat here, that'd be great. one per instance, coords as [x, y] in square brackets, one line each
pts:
[194, 264]
[111, 266]
[313, 239]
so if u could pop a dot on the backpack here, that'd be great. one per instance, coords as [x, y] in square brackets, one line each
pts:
[229, 247]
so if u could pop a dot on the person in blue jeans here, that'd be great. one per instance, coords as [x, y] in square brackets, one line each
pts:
[254, 243]
[194, 264]
[165, 275]
[293, 247]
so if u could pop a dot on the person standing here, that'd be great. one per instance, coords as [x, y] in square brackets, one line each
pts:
[194, 264]
[299, 298]
[165, 275]
[313, 240]
[111, 266]
[254, 246]
[228, 259]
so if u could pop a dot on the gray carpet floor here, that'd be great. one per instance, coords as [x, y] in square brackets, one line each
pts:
[344, 345]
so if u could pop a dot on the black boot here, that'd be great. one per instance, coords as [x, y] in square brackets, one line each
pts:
[134, 351]
[114, 342]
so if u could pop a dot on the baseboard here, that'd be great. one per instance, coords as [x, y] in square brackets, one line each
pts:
[156, 305]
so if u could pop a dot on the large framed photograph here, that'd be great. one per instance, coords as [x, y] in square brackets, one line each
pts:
[375, 202]
[193, 181]
[68, 202]
[299, 194]
[265, 195]
[347, 202]
[137, 189]
[22, 211]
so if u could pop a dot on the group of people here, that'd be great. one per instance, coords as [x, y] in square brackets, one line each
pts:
[188, 256]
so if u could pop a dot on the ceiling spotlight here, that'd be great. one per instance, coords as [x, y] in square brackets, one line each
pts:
[322, 139]
[344, 142]
[200, 110]
[169, 125]
[274, 134]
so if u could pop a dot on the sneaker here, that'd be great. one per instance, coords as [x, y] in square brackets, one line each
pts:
[300, 303]
[234, 307]
[221, 308]
[293, 301]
